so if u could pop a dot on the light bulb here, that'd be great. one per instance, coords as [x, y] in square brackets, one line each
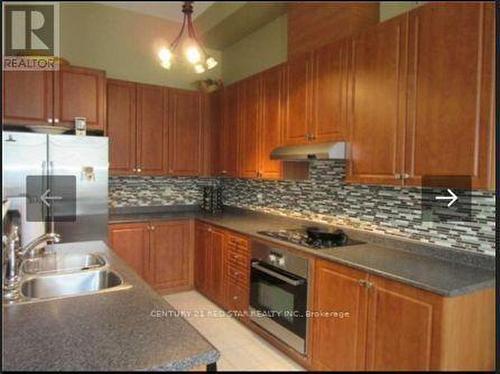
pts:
[166, 64]
[198, 68]
[193, 54]
[211, 63]
[165, 55]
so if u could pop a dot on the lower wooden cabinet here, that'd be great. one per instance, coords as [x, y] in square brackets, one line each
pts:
[221, 264]
[208, 260]
[394, 327]
[130, 241]
[160, 252]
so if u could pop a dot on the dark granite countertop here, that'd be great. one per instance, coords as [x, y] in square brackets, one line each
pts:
[440, 270]
[116, 330]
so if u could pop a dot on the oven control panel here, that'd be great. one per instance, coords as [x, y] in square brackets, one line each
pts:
[280, 257]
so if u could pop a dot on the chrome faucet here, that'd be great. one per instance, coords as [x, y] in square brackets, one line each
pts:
[15, 254]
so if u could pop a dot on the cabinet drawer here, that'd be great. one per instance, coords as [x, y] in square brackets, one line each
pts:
[237, 259]
[237, 241]
[237, 274]
[237, 297]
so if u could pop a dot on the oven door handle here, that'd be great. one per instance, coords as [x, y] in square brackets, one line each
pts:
[293, 282]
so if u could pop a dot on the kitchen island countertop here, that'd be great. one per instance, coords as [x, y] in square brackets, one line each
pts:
[127, 329]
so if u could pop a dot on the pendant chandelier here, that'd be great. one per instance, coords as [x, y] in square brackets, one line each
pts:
[192, 49]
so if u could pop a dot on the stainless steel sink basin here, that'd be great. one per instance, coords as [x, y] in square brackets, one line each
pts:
[72, 284]
[62, 263]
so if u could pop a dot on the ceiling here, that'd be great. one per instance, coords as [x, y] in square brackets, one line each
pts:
[170, 10]
[219, 23]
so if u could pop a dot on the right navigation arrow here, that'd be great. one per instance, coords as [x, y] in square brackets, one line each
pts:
[452, 197]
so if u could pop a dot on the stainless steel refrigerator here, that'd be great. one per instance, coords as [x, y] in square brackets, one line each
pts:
[81, 159]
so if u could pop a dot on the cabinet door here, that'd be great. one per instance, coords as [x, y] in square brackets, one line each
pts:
[377, 105]
[271, 123]
[121, 126]
[27, 97]
[338, 344]
[402, 327]
[151, 145]
[228, 139]
[248, 131]
[185, 129]
[298, 100]
[216, 254]
[171, 255]
[131, 242]
[80, 92]
[202, 267]
[329, 115]
[451, 90]
[212, 129]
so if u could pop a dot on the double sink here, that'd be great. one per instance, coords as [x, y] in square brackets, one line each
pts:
[56, 275]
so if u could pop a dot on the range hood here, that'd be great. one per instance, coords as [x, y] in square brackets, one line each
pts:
[323, 151]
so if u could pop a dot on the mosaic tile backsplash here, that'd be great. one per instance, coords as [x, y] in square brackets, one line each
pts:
[133, 191]
[323, 198]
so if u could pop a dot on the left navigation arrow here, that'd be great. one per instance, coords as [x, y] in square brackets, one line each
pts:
[45, 197]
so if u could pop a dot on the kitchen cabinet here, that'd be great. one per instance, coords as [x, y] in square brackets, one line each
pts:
[137, 128]
[152, 140]
[394, 326]
[421, 97]
[121, 126]
[80, 92]
[55, 97]
[28, 97]
[271, 122]
[298, 100]
[339, 343]
[377, 103]
[170, 254]
[248, 130]
[222, 267]
[131, 241]
[329, 93]
[317, 95]
[160, 252]
[212, 131]
[208, 259]
[237, 274]
[228, 146]
[451, 97]
[185, 132]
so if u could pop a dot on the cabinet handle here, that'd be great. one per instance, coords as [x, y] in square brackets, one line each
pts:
[223, 172]
[365, 283]
[49, 120]
[235, 297]
[405, 176]
[397, 176]
[134, 170]
[236, 273]
[56, 120]
[139, 170]
[152, 228]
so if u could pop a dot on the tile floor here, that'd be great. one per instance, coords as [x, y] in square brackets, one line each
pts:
[240, 348]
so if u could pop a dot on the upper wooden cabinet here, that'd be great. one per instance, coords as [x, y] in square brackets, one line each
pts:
[55, 98]
[451, 98]
[316, 96]
[121, 126]
[152, 122]
[248, 130]
[228, 159]
[314, 24]
[422, 97]
[80, 92]
[298, 100]
[329, 94]
[395, 327]
[28, 97]
[185, 132]
[271, 122]
[377, 104]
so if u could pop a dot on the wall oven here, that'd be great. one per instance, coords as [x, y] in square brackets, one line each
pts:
[278, 293]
